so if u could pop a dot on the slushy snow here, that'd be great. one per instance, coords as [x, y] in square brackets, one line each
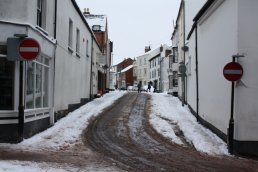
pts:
[166, 110]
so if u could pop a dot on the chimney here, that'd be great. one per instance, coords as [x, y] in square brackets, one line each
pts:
[147, 48]
[161, 48]
[86, 11]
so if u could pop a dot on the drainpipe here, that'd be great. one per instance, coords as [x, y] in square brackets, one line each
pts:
[184, 78]
[91, 67]
[197, 72]
[52, 120]
[55, 19]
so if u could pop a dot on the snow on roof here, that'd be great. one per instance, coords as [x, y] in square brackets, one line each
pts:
[127, 68]
[99, 20]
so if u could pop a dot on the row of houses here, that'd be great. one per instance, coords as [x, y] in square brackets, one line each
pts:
[150, 67]
[71, 68]
[209, 34]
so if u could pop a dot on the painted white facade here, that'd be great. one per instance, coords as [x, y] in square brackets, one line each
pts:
[158, 68]
[232, 18]
[73, 66]
[143, 69]
[188, 9]
[20, 18]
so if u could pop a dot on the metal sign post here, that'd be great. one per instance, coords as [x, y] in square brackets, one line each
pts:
[232, 72]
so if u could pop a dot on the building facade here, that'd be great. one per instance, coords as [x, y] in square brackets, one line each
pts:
[212, 100]
[34, 93]
[26, 96]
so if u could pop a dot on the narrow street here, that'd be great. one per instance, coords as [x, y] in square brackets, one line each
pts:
[120, 138]
[123, 133]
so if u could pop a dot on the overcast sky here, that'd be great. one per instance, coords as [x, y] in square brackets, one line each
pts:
[134, 24]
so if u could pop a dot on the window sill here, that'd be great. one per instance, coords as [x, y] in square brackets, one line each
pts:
[78, 55]
[70, 49]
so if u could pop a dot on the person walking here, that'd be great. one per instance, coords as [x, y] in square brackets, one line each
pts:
[139, 87]
[149, 87]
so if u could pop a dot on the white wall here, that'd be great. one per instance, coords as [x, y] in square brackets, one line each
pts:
[15, 10]
[246, 104]
[191, 73]
[72, 77]
[217, 42]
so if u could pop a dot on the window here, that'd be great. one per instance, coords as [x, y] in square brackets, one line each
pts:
[37, 83]
[189, 66]
[140, 62]
[145, 71]
[77, 42]
[170, 61]
[6, 84]
[39, 13]
[87, 48]
[175, 57]
[175, 80]
[145, 61]
[96, 28]
[70, 38]
[158, 72]
[170, 82]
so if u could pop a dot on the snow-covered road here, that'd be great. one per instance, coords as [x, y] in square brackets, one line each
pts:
[167, 111]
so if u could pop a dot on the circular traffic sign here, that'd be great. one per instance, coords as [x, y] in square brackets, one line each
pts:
[29, 49]
[233, 71]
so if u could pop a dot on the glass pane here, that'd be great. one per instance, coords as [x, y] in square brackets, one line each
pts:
[46, 87]
[38, 94]
[6, 85]
[30, 85]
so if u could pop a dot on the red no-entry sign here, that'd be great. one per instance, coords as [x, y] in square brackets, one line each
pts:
[29, 49]
[233, 71]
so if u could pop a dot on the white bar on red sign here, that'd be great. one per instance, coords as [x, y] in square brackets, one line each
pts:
[237, 72]
[29, 49]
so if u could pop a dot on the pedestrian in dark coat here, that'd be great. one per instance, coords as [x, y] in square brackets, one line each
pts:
[139, 87]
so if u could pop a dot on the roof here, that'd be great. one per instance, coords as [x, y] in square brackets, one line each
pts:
[203, 10]
[100, 20]
[205, 7]
[84, 20]
[127, 68]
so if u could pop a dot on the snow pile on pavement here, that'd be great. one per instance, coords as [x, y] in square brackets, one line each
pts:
[66, 132]
[169, 110]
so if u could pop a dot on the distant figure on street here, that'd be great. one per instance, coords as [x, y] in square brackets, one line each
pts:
[149, 87]
[139, 87]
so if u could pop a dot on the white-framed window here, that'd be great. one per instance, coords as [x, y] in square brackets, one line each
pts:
[87, 48]
[145, 61]
[145, 71]
[39, 13]
[70, 36]
[77, 42]
[37, 83]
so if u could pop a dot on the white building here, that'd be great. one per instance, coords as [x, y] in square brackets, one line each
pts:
[26, 84]
[58, 78]
[158, 64]
[143, 68]
[235, 19]
[188, 9]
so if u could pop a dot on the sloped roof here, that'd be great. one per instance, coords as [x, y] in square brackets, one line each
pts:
[100, 20]
[127, 68]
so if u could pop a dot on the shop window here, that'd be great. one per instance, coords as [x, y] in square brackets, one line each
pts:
[37, 88]
[6, 84]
